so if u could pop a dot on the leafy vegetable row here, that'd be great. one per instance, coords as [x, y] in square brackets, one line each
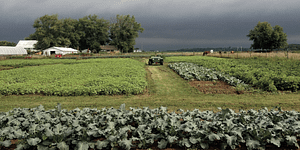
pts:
[190, 71]
[88, 77]
[141, 128]
[269, 74]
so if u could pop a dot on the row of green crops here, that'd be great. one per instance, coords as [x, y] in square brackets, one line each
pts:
[86, 77]
[190, 71]
[18, 63]
[142, 128]
[268, 74]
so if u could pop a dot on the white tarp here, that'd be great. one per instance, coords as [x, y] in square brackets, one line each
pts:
[10, 50]
[59, 50]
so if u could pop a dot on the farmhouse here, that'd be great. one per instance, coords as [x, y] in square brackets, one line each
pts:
[137, 51]
[109, 48]
[10, 50]
[27, 44]
[59, 50]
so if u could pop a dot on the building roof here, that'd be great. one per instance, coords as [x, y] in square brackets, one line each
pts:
[108, 47]
[10, 50]
[62, 49]
[26, 43]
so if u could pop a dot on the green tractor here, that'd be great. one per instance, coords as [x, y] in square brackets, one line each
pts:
[156, 60]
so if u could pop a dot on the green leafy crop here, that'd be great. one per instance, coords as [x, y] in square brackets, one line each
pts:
[269, 74]
[190, 71]
[85, 77]
[141, 128]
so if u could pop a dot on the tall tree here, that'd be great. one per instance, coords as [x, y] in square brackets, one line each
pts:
[6, 43]
[123, 31]
[50, 31]
[67, 33]
[94, 32]
[45, 31]
[266, 37]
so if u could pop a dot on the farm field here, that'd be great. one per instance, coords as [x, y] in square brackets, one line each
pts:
[164, 88]
[84, 77]
[268, 74]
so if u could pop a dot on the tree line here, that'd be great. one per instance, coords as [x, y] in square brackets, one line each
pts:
[6, 43]
[88, 32]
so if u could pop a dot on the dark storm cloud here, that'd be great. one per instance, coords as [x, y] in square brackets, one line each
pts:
[168, 24]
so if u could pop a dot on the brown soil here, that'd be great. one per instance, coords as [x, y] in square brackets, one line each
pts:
[214, 87]
[6, 68]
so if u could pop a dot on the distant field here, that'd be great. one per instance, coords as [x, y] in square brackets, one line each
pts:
[266, 55]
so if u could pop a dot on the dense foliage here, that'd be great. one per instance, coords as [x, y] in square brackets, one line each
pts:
[190, 71]
[88, 32]
[123, 31]
[85, 77]
[141, 128]
[6, 43]
[269, 74]
[266, 37]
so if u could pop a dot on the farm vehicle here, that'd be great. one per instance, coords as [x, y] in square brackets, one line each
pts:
[158, 59]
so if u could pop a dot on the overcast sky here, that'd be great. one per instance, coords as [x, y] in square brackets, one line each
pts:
[168, 24]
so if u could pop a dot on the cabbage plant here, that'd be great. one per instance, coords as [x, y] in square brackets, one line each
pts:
[143, 127]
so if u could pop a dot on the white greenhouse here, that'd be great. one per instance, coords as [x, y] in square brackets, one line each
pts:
[58, 51]
[27, 44]
[10, 50]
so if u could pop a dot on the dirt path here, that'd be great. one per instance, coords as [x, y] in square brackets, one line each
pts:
[168, 83]
[155, 72]
[160, 80]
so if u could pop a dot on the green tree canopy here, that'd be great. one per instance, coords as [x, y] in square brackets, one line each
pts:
[266, 37]
[6, 43]
[45, 32]
[123, 31]
[87, 32]
[95, 32]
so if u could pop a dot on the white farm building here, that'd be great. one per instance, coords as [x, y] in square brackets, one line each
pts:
[27, 44]
[11, 50]
[58, 51]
